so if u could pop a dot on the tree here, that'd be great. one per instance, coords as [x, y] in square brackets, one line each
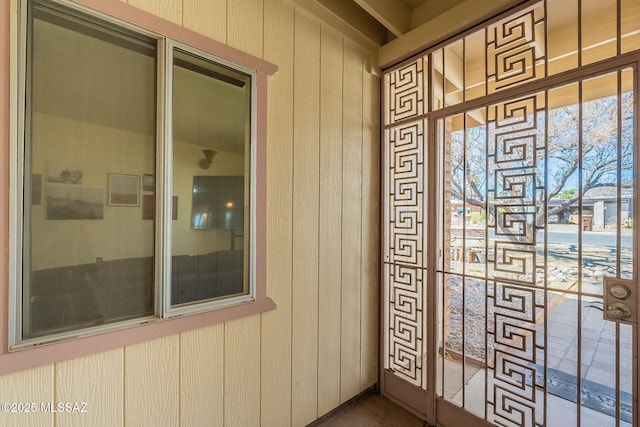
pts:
[604, 159]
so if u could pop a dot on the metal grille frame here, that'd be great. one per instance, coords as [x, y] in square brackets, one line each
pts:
[512, 289]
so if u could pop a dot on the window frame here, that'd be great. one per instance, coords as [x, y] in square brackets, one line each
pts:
[17, 355]
[164, 168]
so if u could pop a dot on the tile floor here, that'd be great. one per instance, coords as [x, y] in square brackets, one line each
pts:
[598, 344]
[370, 410]
[598, 368]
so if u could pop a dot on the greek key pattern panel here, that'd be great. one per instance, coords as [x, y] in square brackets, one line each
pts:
[514, 189]
[516, 50]
[513, 312]
[405, 341]
[405, 92]
[404, 253]
[404, 195]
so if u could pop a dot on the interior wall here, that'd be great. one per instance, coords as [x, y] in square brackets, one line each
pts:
[184, 239]
[319, 348]
[66, 242]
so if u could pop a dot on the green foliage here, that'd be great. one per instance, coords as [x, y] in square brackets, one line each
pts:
[567, 194]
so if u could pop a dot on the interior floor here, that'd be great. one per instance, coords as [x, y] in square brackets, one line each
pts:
[370, 410]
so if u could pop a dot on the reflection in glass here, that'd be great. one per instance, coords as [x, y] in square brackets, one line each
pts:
[210, 173]
[86, 263]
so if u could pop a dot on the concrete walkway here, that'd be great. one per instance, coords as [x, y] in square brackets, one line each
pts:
[574, 342]
[597, 342]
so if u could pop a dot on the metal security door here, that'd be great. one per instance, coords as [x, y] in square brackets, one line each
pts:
[404, 308]
[536, 274]
[509, 245]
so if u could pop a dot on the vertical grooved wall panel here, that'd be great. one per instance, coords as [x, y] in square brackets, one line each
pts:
[276, 325]
[305, 219]
[351, 221]
[242, 372]
[202, 378]
[207, 17]
[245, 25]
[170, 10]
[330, 259]
[151, 382]
[102, 393]
[35, 385]
[371, 235]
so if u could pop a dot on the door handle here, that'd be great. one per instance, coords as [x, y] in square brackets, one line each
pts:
[618, 310]
[620, 302]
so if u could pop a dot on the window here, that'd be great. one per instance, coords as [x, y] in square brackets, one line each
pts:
[211, 123]
[138, 162]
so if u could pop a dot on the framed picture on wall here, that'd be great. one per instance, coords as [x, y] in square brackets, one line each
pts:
[36, 188]
[64, 173]
[124, 190]
[148, 182]
[74, 202]
[149, 205]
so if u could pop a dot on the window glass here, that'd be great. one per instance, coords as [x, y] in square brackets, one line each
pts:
[89, 142]
[211, 134]
[120, 223]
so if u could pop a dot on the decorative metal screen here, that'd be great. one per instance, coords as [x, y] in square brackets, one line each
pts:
[405, 232]
[405, 93]
[532, 206]
[525, 245]
[515, 194]
[515, 50]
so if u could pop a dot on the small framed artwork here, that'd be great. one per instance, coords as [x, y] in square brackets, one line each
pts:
[148, 182]
[124, 190]
[36, 188]
[64, 173]
[74, 202]
[174, 207]
[148, 207]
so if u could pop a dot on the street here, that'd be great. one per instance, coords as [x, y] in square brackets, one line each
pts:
[561, 233]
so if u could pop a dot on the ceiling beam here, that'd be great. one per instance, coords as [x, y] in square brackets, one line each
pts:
[351, 15]
[429, 10]
[454, 21]
[393, 14]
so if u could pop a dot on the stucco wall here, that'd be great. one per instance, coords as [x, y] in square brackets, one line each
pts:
[319, 347]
